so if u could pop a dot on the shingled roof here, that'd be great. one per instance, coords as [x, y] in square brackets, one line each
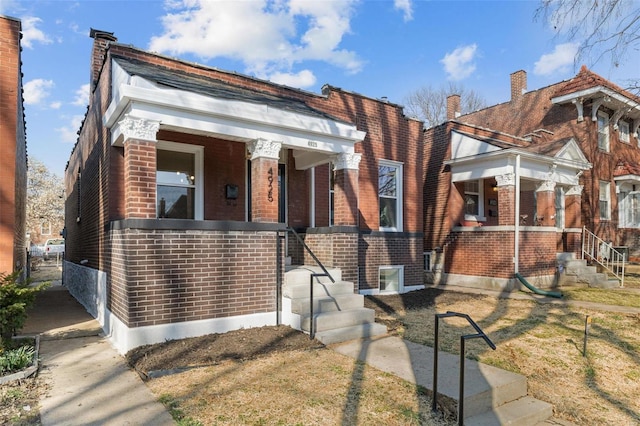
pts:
[587, 79]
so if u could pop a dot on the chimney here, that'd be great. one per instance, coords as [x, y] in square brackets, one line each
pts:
[453, 107]
[518, 85]
[98, 53]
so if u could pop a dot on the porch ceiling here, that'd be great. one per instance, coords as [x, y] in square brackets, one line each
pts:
[193, 107]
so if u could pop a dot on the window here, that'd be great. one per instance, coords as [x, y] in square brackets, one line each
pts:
[629, 209]
[427, 261]
[603, 131]
[391, 279]
[605, 200]
[473, 200]
[179, 181]
[560, 207]
[45, 228]
[623, 131]
[390, 195]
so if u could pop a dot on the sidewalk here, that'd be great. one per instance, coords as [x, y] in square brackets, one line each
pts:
[88, 381]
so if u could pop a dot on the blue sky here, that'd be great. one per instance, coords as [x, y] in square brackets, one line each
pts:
[375, 47]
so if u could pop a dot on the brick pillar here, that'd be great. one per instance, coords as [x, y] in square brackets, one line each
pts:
[264, 180]
[140, 165]
[506, 199]
[572, 210]
[546, 203]
[345, 193]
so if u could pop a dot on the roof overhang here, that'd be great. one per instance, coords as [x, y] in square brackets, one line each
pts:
[183, 111]
[611, 99]
[564, 168]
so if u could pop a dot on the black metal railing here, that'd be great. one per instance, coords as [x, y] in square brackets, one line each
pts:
[313, 276]
[479, 334]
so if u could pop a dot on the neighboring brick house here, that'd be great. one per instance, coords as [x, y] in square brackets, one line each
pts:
[184, 179]
[13, 150]
[568, 152]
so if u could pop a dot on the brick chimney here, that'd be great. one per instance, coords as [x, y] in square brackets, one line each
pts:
[98, 53]
[453, 107]
[518, 85]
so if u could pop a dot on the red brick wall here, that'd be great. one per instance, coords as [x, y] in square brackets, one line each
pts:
[140, 179]
[13, 160]
[168, 276]
[490, 253]
[381, 250]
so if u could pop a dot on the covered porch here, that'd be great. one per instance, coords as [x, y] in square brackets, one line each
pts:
[512, 210]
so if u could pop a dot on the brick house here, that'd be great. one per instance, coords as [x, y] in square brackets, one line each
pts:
[185, 179]
[514, 184]
[13, 150]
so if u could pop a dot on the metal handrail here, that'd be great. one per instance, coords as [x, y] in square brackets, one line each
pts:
[598, 250]
[479, 334]
[311, 277]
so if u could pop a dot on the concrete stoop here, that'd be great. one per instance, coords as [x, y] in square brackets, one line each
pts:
[576, 272]
[491, 396]
[338, 313]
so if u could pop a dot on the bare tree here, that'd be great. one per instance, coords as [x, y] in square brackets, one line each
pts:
[604, 28]
[45, 204]
[430, 104]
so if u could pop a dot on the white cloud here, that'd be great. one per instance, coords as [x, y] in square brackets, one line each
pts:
[304, 78]
[69, 133]
[406, 7]
[560, 59]
[55, 105]
[82, 96]
[31, 34]
[269, 36]
[36, 91]
[459, 63]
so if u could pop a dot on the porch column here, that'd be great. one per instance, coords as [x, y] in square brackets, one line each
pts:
[572, 207]
[345, 193]
[506, 198]
[546, 203]
[264, 180]
[139, 167]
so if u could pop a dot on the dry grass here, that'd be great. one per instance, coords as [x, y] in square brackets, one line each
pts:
[320, 387]
[545, 343]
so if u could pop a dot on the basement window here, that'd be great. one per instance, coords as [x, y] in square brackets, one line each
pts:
[391, 279]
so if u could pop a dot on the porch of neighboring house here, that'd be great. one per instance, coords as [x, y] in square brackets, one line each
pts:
[514, 210]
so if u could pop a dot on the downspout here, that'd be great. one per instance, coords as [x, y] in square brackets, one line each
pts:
[516, 237]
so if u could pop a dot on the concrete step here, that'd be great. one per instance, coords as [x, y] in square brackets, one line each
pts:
[608, 283]
[526, 411]
[340, 302]
[563, 257]
[579, 268]
[320, 290]
[344, 334]
[339, 319]
[300, 275]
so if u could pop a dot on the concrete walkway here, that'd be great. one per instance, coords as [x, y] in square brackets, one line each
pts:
[88, 382]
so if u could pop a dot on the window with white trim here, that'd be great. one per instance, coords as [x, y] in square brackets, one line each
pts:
[473, 200]
[45, 228]
[629, 208]
[179, 181]
[391, 279]
[604, 200]
[623, 131]
[603, 131]
[390, 195]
